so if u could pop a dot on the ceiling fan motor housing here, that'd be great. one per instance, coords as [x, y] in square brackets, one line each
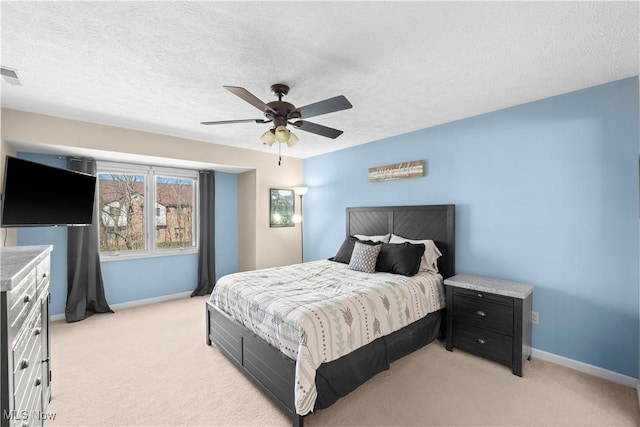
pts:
[284, 111]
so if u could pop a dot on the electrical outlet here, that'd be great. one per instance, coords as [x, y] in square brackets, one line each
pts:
[534, 317]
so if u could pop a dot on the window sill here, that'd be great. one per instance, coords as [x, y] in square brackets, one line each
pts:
[143, 255]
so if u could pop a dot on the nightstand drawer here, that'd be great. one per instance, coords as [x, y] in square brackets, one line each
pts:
[483, 313]
[483, 342]
[483, 296]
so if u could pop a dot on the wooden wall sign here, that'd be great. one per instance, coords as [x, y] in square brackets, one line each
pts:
[414, 169]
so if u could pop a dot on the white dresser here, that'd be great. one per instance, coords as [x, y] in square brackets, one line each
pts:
[25, 361]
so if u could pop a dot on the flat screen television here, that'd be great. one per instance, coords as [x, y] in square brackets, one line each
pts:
[37, 195]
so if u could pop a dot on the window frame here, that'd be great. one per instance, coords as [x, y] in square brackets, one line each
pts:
[150, 173]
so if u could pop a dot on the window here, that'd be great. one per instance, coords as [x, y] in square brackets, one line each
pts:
[128, 193]
[122, 225]
[175, 200]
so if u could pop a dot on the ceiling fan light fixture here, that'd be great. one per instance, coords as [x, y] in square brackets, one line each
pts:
[268, 137]
[282, 133]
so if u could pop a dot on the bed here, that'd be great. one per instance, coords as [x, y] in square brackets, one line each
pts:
[276, 371]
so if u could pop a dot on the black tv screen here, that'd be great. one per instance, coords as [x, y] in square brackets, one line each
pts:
[37, 195]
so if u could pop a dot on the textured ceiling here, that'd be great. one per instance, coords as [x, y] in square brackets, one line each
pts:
[160, 66]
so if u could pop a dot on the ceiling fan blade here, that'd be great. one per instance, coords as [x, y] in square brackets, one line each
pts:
[330, 105]
[226, 122]
[317, 129]
[249, 97]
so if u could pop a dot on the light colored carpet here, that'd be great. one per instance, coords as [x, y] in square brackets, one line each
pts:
[150, 366]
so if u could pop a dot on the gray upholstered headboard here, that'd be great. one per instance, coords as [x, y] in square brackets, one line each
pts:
[435, 222]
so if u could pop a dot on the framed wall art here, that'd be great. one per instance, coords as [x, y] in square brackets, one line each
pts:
[281, 207]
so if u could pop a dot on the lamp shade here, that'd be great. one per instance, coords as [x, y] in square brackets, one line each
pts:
[282, 134]
[268, 137]
[293, 139]
[300, 191]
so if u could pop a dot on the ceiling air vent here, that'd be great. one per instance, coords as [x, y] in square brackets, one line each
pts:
[10, 76]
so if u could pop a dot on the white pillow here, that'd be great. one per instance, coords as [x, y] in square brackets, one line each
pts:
[429, 260]
[383, 239]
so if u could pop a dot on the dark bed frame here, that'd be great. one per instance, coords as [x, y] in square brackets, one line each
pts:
[274, 373]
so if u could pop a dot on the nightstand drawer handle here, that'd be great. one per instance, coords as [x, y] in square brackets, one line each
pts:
[480, 295]
[38, 382]
[23, 364]
[26, 299]
[481, 313]
[481, 341]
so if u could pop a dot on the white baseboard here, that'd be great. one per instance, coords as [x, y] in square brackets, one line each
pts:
[587, 369]
[130, 304]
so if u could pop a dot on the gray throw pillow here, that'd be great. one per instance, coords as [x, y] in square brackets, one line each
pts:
[364, 257]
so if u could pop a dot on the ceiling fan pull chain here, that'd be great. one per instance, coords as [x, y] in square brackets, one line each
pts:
[279, 155]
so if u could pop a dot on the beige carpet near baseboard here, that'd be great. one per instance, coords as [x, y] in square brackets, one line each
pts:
[150, 366]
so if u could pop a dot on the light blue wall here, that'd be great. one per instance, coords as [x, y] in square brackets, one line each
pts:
[132, 280]
[137, 279]
[226, 224]
[56, 236]
[546, 193]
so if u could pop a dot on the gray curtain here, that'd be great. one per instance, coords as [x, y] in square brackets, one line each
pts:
[85, 290]
[206, 251]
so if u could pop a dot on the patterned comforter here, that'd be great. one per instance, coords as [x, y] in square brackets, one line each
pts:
[318, 311]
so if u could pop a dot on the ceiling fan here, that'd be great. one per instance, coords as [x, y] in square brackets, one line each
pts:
[281, 113]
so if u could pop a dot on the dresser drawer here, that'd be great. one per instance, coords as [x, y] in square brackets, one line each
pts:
[42, 275]
[483, 342]
[26, 395]
[483, 313]
[21, 300]
[28, 334]
[27, 357]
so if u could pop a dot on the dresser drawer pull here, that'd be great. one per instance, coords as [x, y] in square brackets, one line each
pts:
[38, 382]
[481, 341]
[481, 313]
[26, 299]
[24, 364]
[44, 275]
[37, 331]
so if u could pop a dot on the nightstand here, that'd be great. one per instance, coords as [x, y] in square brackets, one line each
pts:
[490, 318]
